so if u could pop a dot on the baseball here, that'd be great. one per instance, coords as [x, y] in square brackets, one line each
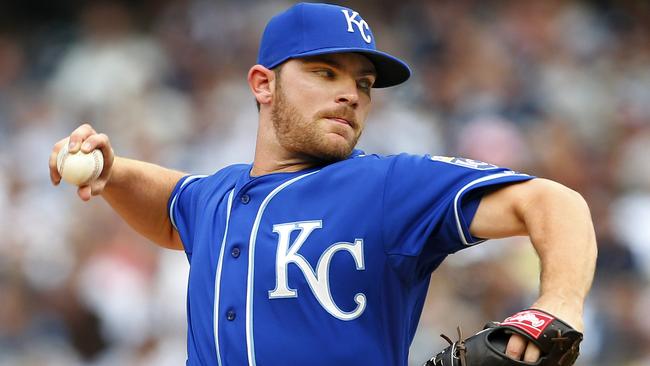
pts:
[79, 168]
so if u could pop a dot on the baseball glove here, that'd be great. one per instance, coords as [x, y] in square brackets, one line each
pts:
[558, 342]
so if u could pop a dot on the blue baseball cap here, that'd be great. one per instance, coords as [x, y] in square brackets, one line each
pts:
[309, 29]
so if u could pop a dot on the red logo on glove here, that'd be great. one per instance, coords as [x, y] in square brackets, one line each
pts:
[532, 322]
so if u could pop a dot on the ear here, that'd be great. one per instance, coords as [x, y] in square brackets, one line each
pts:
[260, 80]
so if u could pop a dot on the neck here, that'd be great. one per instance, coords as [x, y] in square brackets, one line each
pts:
[271, 157]
[266, 166]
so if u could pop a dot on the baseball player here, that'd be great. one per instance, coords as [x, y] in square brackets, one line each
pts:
[320, 254]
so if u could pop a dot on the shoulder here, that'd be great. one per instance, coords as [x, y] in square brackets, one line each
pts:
[361, 159]
[222, 177]
[406, 163]
[437, 163]
[230, 172]
[367, 165]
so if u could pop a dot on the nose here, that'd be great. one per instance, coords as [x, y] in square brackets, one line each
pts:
[348, 94]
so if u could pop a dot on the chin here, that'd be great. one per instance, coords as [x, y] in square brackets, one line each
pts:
[335, 149]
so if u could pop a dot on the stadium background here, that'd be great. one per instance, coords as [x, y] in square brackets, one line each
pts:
[558, 89]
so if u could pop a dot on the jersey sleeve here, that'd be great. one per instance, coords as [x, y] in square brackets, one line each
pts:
[182, 208]
[429, 203]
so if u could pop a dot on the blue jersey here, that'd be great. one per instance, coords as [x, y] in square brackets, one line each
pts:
[324, 266]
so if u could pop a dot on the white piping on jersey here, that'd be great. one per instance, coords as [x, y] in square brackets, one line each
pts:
[171, 206]
[461, 233]
[251, 270]
[217, 279]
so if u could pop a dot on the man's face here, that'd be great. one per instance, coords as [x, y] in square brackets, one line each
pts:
[321, 103]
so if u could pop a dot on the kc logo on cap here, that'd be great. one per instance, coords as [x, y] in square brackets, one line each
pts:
[361, 24]
[310, 29]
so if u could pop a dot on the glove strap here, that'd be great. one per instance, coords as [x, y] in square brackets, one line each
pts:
[460, 345]
[456, 347]
[531, 321]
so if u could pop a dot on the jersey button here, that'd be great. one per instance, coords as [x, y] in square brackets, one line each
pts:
[231, 315]
[245, 199]
[235, 252]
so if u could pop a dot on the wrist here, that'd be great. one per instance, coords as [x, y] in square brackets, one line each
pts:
[112, 176]
[568, 309]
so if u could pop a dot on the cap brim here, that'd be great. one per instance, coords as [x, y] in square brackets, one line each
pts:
[391, 71]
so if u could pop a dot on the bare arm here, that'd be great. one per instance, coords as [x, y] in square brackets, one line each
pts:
[136, 190]
[139, 193]
[559, 224]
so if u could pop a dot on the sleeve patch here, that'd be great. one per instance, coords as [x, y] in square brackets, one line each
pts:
[464, 162]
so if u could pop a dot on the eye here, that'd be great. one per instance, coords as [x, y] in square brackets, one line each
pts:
[326, 73]
[365, 84]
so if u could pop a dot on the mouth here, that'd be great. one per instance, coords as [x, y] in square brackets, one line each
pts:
[341, 120]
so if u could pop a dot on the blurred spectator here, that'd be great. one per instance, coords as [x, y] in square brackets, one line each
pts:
[12, 63]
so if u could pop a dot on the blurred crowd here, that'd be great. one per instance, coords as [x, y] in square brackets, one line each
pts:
[556, 88]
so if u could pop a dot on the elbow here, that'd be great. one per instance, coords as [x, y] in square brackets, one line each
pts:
[577, 200]
[559, 201]
[584, 213]
[550, 193]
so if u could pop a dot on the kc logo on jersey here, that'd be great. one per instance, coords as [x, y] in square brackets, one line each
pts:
[360, 23]
[318, 280]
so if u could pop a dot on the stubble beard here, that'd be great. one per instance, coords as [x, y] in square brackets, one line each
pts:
[302, 137]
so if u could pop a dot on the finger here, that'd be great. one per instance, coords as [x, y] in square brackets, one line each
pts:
[532, 353]
[109, 159]
[84, 192]
[78, 136]
[102, 142]
[516, 346]
[99, 141]
[95, 141]
[96, 187]
[55, 177]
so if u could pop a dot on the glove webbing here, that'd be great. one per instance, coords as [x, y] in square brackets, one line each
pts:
[569, 357]
[460, 345]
